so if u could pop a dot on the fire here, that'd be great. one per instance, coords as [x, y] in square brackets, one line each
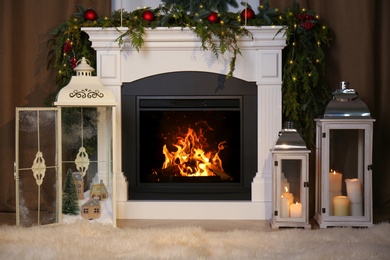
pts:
[191, 159]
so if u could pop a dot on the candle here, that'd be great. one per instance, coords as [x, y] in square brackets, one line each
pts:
[332, 194]
[284, 207]
[285, 182]
[341, 206]
[354, 192]
[288, 195]
[335, 181]
[296, 210]
[286, 200]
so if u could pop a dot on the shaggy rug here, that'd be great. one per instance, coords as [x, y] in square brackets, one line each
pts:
[84, 240]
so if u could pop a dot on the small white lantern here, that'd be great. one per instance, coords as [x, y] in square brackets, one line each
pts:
[290, 180]
[344, 162]
[91, 133]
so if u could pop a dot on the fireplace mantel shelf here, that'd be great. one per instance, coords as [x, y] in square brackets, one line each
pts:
[182, 38]
[168, 50]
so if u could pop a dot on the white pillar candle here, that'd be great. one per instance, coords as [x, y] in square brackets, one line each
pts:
[354, 193]
[284, 207]
[356, 209]
[296, 210]
[335, 181]
[354, 190]
[341, 206]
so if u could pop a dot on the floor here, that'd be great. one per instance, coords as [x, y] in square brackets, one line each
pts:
[209, 225]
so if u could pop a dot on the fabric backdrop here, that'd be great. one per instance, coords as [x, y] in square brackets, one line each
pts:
[359, 54]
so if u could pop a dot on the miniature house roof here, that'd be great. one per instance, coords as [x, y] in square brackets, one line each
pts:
[85, 90]
[99, 188]
[77, 176]
[91, 202]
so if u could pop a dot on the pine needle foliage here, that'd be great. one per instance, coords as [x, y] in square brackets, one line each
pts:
[304, 93]
[70, 201]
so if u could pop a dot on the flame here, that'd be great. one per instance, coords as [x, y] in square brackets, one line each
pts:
[285, 188]
[191, 158]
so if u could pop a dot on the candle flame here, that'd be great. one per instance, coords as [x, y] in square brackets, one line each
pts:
[285, 188]
[334, 172]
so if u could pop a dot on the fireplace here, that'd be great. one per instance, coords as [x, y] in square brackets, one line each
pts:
[189, 136]
[145, 82]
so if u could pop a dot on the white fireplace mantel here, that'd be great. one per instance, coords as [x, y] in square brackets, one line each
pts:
[176, 49]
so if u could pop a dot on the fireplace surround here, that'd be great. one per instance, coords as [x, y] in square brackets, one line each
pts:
[158, 112]
[174, 50]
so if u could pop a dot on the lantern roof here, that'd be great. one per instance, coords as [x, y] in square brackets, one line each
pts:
[346, 104]
[85, 90]
[289, 140]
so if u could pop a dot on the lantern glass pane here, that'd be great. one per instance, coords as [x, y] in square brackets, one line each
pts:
[346, 176]
[38, 189]
[290, 185]
[87, 155]
[79, 130]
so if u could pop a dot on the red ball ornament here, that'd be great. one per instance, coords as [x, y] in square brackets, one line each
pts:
[90, 15]
[148, 15]
[213, 17]
[248, 14]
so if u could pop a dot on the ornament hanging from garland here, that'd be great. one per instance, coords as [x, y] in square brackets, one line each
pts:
[248, 14]
[90, 15]
[148, 15]
[213, 17]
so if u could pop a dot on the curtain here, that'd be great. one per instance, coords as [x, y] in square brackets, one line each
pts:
[359, 54]
[24, 78]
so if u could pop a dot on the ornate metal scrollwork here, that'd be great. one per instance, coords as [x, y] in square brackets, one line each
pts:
[86, 93]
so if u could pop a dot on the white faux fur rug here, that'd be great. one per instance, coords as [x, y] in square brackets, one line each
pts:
[84, 240]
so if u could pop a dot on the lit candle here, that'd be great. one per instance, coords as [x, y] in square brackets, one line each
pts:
[354, 192]
[341, 206]
[285, 182]
[288, 195]
[284, 207]
[296, 210]
[335, 180]
[285, 201]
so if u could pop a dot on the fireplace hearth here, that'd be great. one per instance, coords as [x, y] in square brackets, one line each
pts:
[189, 136]
[178, 50]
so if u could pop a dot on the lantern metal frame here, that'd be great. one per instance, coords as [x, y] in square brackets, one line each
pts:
[345, 116]
[290, 147]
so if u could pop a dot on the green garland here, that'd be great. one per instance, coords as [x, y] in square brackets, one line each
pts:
[304, 94]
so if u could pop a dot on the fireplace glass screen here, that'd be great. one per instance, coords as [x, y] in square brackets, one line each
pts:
[189, 140]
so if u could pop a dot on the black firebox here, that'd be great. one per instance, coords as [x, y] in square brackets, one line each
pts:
[189, 136]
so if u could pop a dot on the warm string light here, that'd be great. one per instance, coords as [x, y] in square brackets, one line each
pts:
[121, 13]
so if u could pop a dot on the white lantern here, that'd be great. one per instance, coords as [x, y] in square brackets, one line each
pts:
[290, 180]
[88, 135]
[344, 162]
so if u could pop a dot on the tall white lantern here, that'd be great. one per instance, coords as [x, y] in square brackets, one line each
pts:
[290, 180]
[344, 162]
[90, 135]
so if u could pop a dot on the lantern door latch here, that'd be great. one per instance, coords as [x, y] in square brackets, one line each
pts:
[369, 167]
[306, 184]
[275, 213]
